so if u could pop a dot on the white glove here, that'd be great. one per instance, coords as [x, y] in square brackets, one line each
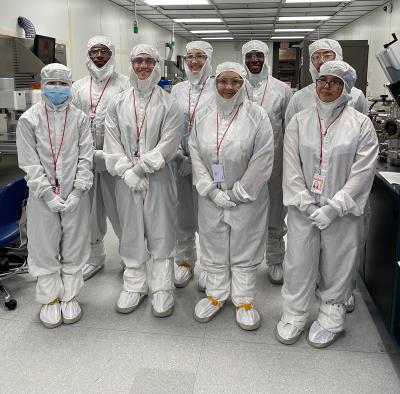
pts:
[185, 167]
[323, 217]
[71, 203]
[222, 200]
[99, 163]
[135, 182]
[311, 209]
[57, 204]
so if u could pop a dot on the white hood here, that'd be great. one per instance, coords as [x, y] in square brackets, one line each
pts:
[106, 71]
[201, 77]
[146, 85]
[256, 45]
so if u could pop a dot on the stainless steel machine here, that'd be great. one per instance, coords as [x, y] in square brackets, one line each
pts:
[386, 114]
[22, 61]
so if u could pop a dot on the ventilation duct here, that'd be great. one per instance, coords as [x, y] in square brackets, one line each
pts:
[28, 27]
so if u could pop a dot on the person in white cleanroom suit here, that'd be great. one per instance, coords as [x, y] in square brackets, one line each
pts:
[92, 94]
[55, 150]
[273, 95]
[322, 51]
[190, 95]
[330, 152]
[232, 151]
[143, 128]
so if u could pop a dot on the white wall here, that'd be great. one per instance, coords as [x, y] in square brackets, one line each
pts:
[232, 51]
[377, 28]
[73, 22]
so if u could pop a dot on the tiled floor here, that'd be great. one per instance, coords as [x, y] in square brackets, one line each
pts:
[107, 352]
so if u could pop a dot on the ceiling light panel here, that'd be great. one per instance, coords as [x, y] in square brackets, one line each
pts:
[176, 2]
[287, 38]
[291, 30]
[302, 18]
[318, 1]
[217, 38]
[198, 20]
[208, 31]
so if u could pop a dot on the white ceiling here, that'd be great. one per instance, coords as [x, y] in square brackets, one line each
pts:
[255, 19]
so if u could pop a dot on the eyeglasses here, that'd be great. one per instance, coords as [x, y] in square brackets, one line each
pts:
[191, 58]
[335, 83]
[257, 55]
[325, 57]
[234, 82]
[100, 51]
[147, 61]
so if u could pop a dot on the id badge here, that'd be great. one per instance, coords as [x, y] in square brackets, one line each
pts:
[318, 183]
[136, 157]
[218, 173]
[55, 185]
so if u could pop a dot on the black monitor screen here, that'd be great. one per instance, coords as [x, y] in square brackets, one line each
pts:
[44, 48]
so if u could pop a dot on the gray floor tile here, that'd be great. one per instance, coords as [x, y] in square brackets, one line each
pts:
[233, 367]
[150, 380]
[80, 360]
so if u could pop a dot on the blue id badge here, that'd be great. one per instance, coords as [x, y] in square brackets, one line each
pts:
[218, 173]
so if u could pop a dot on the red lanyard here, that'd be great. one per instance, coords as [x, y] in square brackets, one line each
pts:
[191, 116]
[55, 157]
[322, 134]
[93, 110]
[139, 128]
[265, 90]
[219, 143]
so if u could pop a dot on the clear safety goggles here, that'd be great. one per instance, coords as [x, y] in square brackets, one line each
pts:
[325, 56]
[99, 51]
[234, 82]
[197, 58]
[255, 55]
[333, 83]
[148, 61]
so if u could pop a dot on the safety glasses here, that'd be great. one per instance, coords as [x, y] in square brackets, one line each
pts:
[99, 51]
[197, 58]
[334, 83]
[325, 57]
[146, 61]
[256, 55]
[234, 82]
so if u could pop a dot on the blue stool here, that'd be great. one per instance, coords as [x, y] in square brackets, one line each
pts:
[12, 197]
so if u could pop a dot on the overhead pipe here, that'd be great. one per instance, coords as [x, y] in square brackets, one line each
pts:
[27, 25]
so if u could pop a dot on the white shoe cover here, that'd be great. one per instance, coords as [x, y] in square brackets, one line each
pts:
[206, 309]
[287, 333]
[71, 311]
[163, 303]
[350, 304]
[183, 274]
[50, 314]
[128, 301]
[248, 318]
[201, 285]
[90, 270]
[320, 337]
[275, 274]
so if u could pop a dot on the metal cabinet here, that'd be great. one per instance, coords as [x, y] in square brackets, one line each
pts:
[380, 269]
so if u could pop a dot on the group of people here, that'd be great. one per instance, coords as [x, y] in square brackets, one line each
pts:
[226, 157]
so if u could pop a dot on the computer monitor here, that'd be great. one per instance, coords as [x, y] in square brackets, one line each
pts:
[44, 48]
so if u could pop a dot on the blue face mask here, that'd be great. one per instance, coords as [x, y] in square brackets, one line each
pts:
[57, 94]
